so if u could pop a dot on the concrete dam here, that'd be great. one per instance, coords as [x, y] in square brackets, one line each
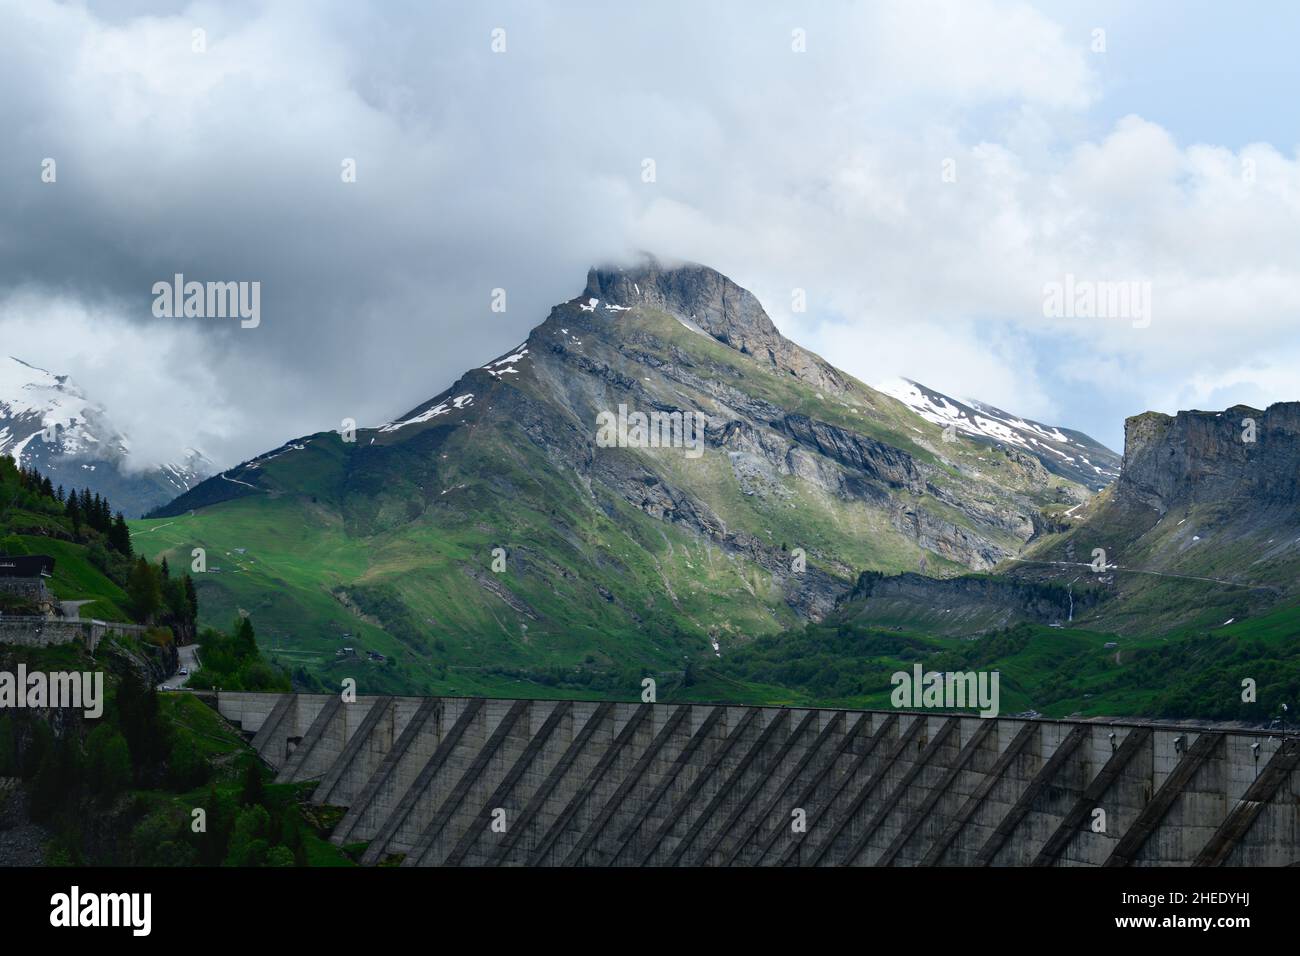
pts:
[476, 782]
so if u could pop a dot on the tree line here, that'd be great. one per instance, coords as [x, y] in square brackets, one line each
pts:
[154, 595]
[80, 508]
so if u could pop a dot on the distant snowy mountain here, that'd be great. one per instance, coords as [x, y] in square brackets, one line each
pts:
[46, 421]
[1062, 451]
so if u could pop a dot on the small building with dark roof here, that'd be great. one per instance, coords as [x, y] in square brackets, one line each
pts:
[26, 566]
[23, 577]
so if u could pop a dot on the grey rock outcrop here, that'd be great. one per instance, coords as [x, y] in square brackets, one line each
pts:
[1211, 457]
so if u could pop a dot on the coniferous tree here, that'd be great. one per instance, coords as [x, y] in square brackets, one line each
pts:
[86, 515]
[192, 599]
[108, 760]
[178, 609]
[245, 641]
[144, 589]
[119, 538]
[73, 509]
[141, 724]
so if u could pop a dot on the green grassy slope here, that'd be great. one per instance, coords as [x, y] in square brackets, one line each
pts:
[1191, 673]
[84, 568]
[76, 578]
[1194, 567]
[405, 594]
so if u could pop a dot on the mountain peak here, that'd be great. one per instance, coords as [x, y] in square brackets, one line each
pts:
[48, 422]
[723, 309]
[704, 299]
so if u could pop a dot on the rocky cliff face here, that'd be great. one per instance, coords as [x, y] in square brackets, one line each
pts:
[965, 605]
[1201, 529]
[1212, 457]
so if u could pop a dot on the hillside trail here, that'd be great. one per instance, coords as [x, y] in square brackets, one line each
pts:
[1163, 574]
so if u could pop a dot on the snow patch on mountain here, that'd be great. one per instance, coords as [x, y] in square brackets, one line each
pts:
[496, 371]
[1060, 450]
[442, 408]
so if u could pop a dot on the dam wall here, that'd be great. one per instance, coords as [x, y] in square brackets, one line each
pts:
[453, 781]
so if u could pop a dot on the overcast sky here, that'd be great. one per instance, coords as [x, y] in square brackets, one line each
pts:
[1169, 158]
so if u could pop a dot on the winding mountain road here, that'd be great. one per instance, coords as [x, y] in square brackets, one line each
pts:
[189, 661]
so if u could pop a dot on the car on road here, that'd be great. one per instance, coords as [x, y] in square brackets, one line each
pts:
[183, 672]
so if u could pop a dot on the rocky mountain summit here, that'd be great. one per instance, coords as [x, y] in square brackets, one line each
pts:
[707, 301]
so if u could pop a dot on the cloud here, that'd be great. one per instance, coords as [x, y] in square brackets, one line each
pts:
[476, 170]
[131, 370]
